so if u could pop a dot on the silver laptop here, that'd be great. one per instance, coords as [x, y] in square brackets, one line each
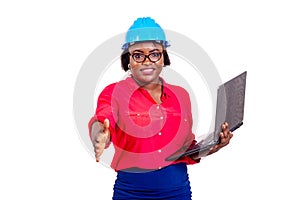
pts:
[230, 108]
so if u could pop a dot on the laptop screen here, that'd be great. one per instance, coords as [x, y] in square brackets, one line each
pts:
[230, 103]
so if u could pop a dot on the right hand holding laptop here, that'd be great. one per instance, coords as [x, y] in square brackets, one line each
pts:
[225, 137]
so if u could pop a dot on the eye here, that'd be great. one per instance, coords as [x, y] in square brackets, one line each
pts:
[155, 55]
[138, 56]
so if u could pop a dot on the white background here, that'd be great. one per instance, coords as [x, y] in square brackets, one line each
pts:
[43, 45]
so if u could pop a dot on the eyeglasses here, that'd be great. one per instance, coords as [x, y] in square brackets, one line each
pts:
[140, 57]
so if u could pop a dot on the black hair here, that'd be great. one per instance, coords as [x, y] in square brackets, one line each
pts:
[125, 58]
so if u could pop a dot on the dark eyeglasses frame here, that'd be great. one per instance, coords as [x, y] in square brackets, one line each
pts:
[146, 56]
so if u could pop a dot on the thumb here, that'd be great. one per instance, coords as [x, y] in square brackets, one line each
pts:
[105, 125]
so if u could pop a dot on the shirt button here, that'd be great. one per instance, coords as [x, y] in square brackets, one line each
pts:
[185, 119]
[138, 114]
[159, 167]
[157, 107]
[159, 133]
[161, 117]
[159, 151]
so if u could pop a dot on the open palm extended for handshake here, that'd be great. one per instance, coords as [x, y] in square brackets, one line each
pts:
[100, 137]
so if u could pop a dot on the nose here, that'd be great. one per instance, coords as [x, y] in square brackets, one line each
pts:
[147, 61]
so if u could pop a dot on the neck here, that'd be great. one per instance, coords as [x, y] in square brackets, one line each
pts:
[154, 88]
[150, 86]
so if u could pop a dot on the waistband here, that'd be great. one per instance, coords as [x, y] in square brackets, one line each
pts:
[172, 176]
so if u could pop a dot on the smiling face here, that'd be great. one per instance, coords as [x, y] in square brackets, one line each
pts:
[143, 70]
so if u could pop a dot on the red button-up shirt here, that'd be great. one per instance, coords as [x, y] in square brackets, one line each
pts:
[143, 132]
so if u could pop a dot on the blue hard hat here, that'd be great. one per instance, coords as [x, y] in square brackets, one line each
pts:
[145, 29]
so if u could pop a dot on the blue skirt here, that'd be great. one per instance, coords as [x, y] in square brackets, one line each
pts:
[169, 183]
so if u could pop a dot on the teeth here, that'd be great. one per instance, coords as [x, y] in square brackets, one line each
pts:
[147, 70]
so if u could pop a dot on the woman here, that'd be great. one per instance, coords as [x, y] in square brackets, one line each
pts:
[147, 120]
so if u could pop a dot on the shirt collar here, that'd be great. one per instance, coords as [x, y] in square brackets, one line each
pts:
[134, 86]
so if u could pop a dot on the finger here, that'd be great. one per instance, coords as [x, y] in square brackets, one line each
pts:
[99, 148]
[224, 140]
[225, 129]
[97, 156]
[105, 125]
[224, 126]
[99, 138]
[223, 136]
[228, 136]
